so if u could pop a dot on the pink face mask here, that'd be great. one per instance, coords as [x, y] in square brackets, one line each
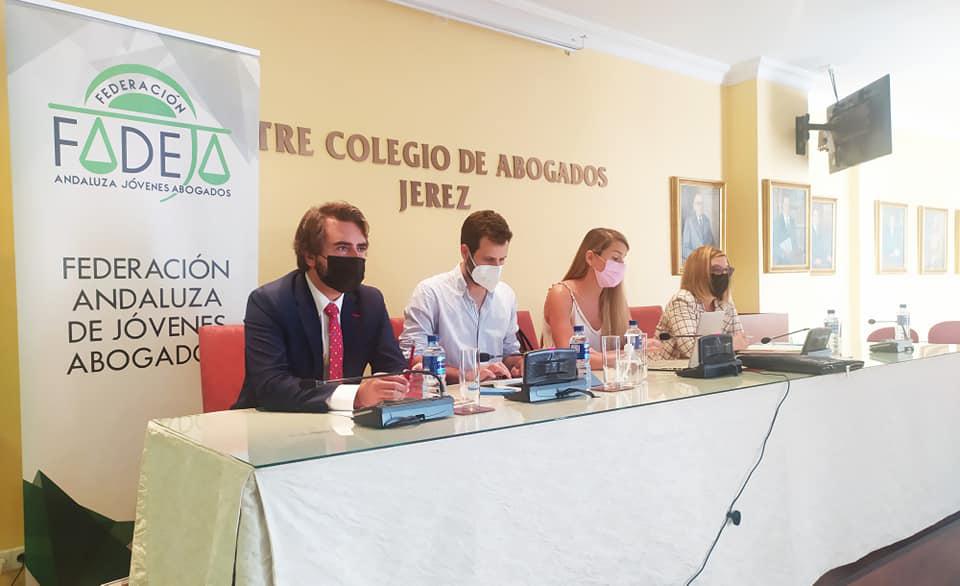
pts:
[612, 274]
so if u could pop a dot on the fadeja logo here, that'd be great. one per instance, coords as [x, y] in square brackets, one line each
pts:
[137, 129]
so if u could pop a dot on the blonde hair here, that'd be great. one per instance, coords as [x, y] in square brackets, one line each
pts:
[696, 273]
[614, 312]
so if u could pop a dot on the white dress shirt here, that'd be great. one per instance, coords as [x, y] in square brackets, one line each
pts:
[442, 305]
[344, 395]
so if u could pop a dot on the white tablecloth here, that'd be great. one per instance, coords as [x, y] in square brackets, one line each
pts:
[630, 496]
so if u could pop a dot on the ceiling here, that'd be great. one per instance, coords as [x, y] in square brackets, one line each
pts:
[916, 41]
[866, 35]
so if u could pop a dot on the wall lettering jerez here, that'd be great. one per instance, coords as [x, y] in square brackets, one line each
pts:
[375, 150]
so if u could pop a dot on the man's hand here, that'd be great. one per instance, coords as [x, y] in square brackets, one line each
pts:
[496, 370]
[374, 391]
[515, 364]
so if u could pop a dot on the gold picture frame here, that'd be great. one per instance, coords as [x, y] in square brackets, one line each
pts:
[818, 264]
[686, 232]
[932, 242]
[886, 240]
[786, 245]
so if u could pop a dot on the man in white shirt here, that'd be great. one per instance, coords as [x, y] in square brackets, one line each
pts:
[469, 307]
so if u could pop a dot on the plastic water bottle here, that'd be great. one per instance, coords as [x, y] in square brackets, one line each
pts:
[580, 343]
[435, 361]
[901, 332]
[634, 351]
[833, 322]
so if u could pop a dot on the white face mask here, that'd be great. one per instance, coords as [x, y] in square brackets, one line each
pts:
[487, 276]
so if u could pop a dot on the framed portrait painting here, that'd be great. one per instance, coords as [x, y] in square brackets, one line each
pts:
[697, 217]
[786, 220]
[823, 235]
[890, 227]
[933, 244]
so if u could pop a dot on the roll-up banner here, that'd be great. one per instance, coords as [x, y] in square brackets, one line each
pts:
[135, 196]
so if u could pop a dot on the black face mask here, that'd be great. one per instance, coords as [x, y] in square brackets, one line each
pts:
[344, 273]
[719, 285]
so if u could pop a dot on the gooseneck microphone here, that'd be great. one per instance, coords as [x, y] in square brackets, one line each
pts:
[309, 383]
[906, 335]
[664, 336]
[487, 357]
[768, 339]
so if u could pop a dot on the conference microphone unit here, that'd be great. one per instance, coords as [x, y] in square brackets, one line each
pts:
[904, 346]
[552, 374]
[713, 356]
[768, 339]
[403, 412]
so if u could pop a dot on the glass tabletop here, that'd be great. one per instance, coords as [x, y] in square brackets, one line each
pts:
[264, 439]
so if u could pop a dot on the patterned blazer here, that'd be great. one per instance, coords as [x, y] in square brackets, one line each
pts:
[681, 317]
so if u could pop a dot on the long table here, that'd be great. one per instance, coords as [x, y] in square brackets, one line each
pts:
[626, 488]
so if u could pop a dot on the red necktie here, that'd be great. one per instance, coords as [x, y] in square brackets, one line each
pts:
[336, 342]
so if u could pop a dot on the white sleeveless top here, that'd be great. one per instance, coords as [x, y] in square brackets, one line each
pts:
[576, 318]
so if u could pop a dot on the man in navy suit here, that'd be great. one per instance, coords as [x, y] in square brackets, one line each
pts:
[319, 323]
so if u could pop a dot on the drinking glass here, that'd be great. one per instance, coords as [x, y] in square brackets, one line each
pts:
[610, 350]
[470, 376]
[407, 348]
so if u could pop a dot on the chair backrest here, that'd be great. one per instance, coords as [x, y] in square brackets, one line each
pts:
[525, 322]
[221, 366]
[397, 324]
[945, 332]
[887, 334]
[647, 316]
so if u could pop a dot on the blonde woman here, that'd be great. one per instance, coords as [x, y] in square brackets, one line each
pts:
[705, 286]
[591, 294]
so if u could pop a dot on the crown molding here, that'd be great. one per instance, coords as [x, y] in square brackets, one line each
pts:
[527, 19]
[628, 46]
[535, 22]
[772, 70]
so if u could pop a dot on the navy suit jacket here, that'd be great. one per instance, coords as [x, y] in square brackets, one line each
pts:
[694, 236]
[284, 344]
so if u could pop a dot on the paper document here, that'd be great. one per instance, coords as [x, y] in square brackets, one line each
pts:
[501, 382]
[775, 348]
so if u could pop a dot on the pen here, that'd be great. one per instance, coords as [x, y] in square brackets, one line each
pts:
[413, 348]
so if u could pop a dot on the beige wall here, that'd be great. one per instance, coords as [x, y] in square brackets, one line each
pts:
[806, 297]
[740, 171]
[371, 67]
[918, 173]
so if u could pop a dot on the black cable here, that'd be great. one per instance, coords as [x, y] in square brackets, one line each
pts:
[732, 515]
[564, 393]
[833, 82]
[17, 577]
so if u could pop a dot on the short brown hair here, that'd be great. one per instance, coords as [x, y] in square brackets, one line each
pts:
[484, 223]
[309, 237]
